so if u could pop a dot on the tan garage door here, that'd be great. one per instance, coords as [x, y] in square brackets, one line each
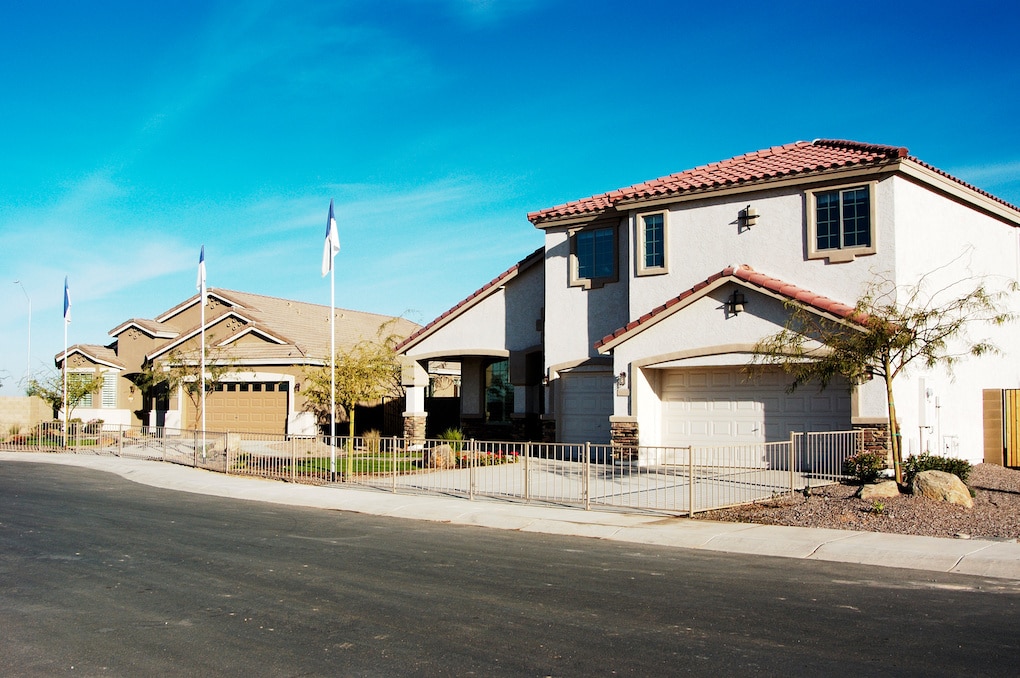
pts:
[247, 407]
[722, 406]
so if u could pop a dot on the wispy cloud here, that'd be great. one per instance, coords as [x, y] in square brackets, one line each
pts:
[989, 175]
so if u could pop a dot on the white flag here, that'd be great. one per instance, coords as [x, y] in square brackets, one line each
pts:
[332, 244]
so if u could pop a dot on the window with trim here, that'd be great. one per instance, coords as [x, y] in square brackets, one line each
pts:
[593, 256]
[77, 379]
[109, 390]
[651, 243]
[841, 222]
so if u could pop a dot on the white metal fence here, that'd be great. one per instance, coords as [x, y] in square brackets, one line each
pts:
[677, 480]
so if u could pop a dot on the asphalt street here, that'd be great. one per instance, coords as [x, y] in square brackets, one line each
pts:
[102, 576]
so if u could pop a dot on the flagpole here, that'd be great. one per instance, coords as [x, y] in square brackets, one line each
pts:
[201, 377]
[330, 247]
[332, 370]
[67, 321]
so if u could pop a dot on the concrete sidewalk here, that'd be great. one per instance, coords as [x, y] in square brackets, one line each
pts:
[962, 556]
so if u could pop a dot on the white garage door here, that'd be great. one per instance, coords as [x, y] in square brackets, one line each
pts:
[722, 405]
[585, 405]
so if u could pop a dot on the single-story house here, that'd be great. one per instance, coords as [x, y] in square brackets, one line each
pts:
[266, 343]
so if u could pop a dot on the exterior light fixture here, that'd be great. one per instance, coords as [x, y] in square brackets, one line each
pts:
[748, 217]
[735, 304]
[621, 380]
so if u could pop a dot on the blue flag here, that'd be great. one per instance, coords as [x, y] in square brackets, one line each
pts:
[67, 302]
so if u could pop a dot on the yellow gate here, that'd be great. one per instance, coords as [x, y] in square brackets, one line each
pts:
[1011, 426]
[1002, 427]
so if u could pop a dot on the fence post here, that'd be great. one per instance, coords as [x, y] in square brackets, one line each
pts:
[586, 466]
[527, 472]
[393, 455]
[472, 458]
[120, 440]
[793, 457]
[690, 482]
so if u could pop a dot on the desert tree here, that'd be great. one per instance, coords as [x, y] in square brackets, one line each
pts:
[180, 370]
[890, 328]
[80, 385]
[367, 371]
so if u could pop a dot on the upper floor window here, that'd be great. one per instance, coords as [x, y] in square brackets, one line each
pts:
[593, 254]
[651, 243]
[841, 223]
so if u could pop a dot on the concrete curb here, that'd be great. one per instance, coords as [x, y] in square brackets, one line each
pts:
[972, 557]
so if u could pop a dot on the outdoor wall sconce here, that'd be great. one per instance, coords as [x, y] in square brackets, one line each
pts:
[621, 380]
[735, 304]
[748, 218]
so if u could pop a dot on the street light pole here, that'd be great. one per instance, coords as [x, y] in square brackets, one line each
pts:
[29, 372]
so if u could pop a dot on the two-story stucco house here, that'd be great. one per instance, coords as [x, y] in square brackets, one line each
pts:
[636, 319]
[267, 342]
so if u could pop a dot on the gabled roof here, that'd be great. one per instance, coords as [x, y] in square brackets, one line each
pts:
[295, 330]
[475, 297]
[744, 275]
[153, 328]
[216, 293]
[100, 355]
[799, 159]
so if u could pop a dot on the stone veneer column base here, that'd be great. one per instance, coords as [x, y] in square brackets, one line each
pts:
[623, 434]
[876, 439]
[414, 428]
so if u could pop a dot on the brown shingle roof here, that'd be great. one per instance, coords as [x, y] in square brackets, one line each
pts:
[778, 162]
[302, 326]
[96, 353]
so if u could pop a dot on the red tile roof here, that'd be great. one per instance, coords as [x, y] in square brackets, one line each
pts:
[750, 277]
[778, 162]
[484, 290]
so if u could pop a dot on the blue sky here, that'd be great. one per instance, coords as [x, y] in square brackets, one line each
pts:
[134, 133]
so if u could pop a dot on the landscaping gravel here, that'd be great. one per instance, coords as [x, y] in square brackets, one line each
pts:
[996, 512]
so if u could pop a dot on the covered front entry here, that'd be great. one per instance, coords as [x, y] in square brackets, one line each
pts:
[247, 407]
[723, 405]
[585, 405]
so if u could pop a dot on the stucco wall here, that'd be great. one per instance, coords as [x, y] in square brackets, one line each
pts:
[20, 413]
[954, 247]
[577, 318]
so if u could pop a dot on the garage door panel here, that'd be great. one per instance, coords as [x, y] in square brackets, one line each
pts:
[706, 406]
[248, 408]
[586, 403]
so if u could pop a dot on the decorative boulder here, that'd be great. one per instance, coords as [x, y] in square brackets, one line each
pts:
[882, 490]
[943, 487]
[441, 456]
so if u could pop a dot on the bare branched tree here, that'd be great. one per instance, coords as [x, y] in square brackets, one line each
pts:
[891, 328]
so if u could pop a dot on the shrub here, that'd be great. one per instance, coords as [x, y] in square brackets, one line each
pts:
[929, 462]
[455, 438]
[865, 467]
[372, 438]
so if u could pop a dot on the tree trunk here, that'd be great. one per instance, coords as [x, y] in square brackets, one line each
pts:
[349, 463]
[894, 429]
